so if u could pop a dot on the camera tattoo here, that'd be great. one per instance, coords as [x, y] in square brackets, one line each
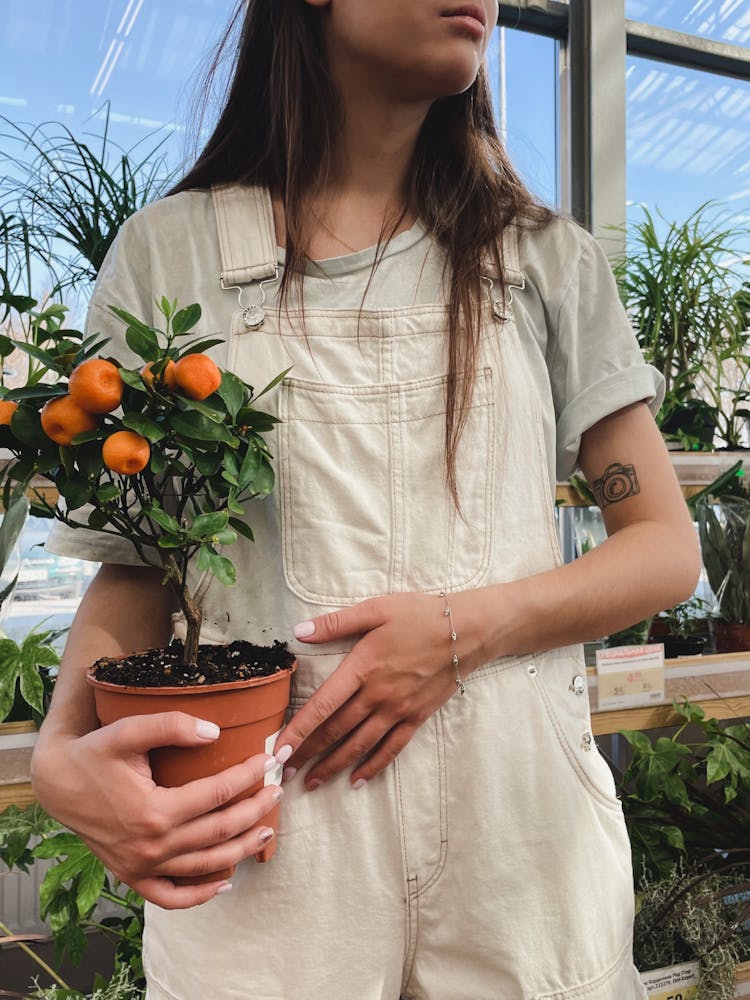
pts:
[617, 482]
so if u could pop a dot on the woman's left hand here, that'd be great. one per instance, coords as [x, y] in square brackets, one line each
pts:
[397, 675]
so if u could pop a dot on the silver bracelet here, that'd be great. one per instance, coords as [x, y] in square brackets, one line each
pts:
[449, 615]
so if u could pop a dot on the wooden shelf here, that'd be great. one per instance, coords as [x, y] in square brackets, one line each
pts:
[719, 683]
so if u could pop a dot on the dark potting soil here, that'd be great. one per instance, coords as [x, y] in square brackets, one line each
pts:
[235, 661]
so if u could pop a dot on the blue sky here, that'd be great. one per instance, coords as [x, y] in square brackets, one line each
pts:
[688, 132]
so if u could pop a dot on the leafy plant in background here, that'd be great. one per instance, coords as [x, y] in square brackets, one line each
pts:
[119, 987]
[686, 799]
[66, 197]
[722, 511]
[70, 892]
[680, 289]
[171, 473]
[25, 674]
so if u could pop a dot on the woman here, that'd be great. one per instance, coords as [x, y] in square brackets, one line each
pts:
[454, 832]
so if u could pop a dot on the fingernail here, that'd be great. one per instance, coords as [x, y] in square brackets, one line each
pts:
[283, 754]
[278, 795]
[206, 730]
[270, 764]
[225, 887]
[360, 783]
[312, 785]
[304, 630]
[266, 835]
[289, 773]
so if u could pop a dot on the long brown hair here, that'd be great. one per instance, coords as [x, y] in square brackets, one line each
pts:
[278, 127]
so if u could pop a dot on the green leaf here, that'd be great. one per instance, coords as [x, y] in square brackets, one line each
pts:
[256, 420]
[98, 519]
[26, 425]
[75, 491]
[186, 319]
[48, 360]
[158, 461]
[249, 468]
[200, 346]
[196, 426]
[143, 342]
[199, 406]
[130, 320]
[32, 688]
[170, 542]
[132, 379]
[14, 518]
[264, 480]
[206, 525]
[148, 428]
[89, 458]
[164, 520]
[242, 528]
[210, 560]
[274, 382]
[107, 493]
[10, 667]
[6, 346]
[232, 391]
[207, 465]
[42, 390]
[225, 537]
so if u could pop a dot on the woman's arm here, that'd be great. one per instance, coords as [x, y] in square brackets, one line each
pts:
[400, 671]
[97, 781]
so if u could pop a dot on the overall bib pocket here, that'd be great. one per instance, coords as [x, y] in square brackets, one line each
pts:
[365, 510]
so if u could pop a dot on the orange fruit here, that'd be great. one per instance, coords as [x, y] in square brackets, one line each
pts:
[96, 386]
[197, 375]
[7, 409]
[164, 381]
[126, 452]
[62, 418]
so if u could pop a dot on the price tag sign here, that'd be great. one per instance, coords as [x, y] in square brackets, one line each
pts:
[630, 676]
[678, 982]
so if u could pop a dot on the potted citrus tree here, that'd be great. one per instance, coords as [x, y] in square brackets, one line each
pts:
[167, 456]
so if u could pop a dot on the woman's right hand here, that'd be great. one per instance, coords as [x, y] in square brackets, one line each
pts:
[100, 786]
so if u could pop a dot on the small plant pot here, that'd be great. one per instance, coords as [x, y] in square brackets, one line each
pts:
[683, 645]
[249, 713]
[731, 637]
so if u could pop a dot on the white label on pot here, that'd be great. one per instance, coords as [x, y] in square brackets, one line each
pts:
[678, 982]
[273, 777]
[630, 676]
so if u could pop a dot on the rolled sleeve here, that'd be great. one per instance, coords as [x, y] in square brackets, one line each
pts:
[596, 367]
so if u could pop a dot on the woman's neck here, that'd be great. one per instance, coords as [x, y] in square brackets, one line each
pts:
[366, 194]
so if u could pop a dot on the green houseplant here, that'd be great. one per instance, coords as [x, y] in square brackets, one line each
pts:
[65, 197]
[166, 457]
[686, 801]
[723, 515]
[680, 289]
[69, 894]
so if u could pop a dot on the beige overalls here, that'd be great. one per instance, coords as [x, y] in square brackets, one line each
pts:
[490, 862]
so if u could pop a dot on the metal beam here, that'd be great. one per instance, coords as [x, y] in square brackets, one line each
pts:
[597, 118]
[544, 17]
[692, 51]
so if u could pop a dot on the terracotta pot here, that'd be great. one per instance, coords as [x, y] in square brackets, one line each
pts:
[250, 714]
[731, 637]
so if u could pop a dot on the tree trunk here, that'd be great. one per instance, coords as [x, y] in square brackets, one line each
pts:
[188, 605]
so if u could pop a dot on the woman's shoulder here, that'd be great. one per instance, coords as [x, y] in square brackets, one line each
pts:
[556, 254]
[185, 209]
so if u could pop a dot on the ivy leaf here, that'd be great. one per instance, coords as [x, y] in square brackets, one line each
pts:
[10, 667]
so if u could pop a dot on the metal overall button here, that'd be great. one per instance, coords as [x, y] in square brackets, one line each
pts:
[577, 685]
[587, 741]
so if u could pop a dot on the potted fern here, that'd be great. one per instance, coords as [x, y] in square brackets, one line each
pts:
[165, 456]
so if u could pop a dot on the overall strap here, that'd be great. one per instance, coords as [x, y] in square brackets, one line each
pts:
[247, 235]
[513, 274]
